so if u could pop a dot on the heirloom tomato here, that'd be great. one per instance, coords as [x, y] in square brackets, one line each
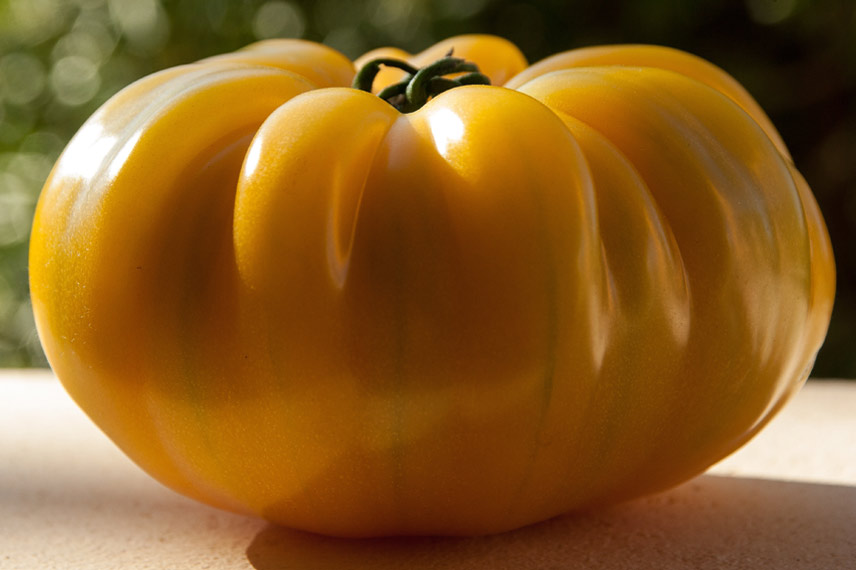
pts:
[425, 304]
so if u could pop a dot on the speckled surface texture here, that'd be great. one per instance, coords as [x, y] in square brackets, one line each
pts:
[70, 500]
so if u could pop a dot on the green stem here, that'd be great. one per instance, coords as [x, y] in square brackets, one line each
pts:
[419, 85]
[366, 76]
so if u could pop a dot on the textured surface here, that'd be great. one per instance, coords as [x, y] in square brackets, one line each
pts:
[69, 500]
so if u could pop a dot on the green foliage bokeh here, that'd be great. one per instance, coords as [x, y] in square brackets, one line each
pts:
[60, 59]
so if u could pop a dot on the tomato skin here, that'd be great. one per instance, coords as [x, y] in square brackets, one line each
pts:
[281, 296]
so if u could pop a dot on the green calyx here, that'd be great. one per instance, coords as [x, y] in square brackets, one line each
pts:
[419, 85]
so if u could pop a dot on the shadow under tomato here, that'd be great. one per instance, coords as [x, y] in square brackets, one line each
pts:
[710, 522]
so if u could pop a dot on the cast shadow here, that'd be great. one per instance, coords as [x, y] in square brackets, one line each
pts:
[710, 522]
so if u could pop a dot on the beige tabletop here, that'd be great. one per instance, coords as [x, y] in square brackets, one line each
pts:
[69, 499]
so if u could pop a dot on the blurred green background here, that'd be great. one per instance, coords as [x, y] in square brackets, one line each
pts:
[60, 59]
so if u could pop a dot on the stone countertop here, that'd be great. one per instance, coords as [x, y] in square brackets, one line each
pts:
[70, 500]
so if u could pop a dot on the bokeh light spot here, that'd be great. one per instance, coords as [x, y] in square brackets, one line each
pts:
[770, 11]
[22, 78]
[89, 42]
[33, 21]
[401, 20]
[143, 22]
[278, 20]
[74, 80]
[16, 209]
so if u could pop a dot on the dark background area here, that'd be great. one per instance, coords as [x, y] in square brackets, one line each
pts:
[60, 59]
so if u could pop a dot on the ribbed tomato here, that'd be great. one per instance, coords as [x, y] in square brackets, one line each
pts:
[284, 296]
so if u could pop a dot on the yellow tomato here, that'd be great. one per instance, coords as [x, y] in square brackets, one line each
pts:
[283, 296]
